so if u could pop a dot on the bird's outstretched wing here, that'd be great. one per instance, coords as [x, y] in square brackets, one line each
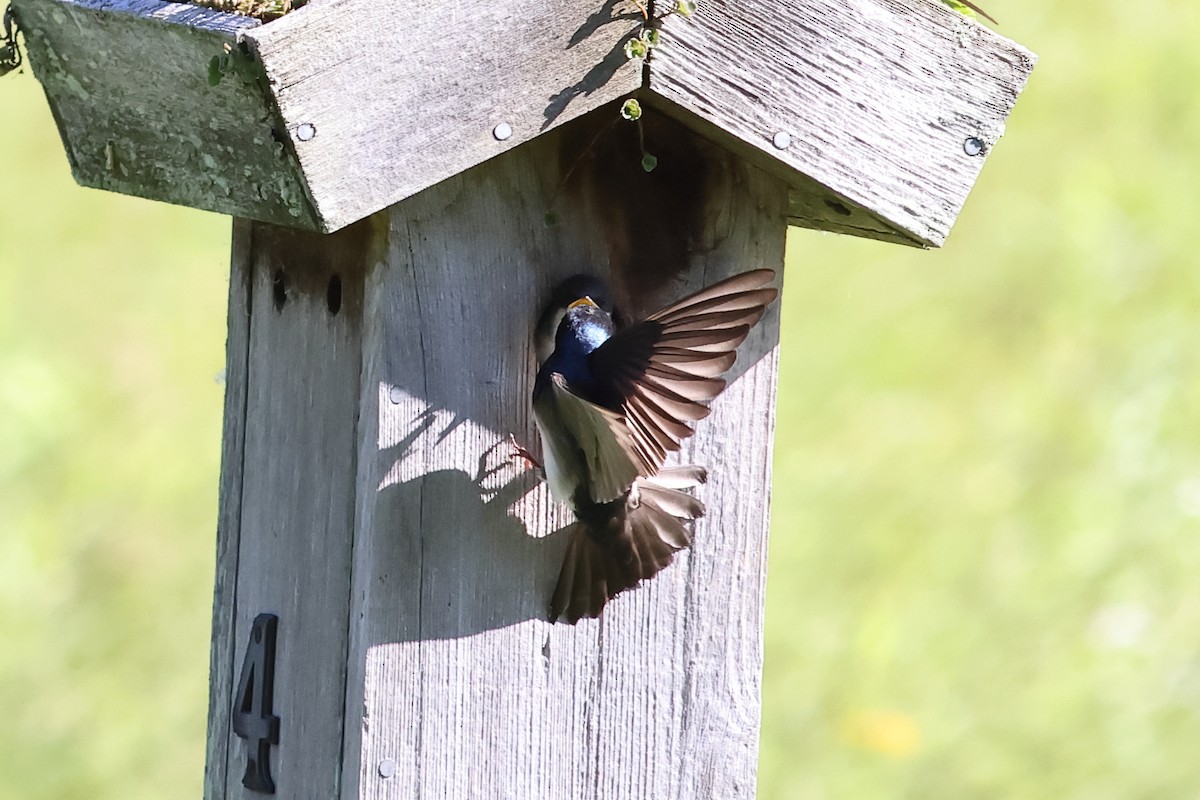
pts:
[663, 371]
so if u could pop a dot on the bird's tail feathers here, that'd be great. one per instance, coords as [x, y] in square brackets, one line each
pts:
[665, 491]
[639, 540]
[688, 476]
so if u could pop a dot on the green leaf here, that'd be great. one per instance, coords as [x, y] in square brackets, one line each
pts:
[635, 48]
[650, 37]
[649, 162]
[960, 7]
[631, 110]
[685, 8]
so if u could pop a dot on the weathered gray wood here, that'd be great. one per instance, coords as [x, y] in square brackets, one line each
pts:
[814, 206]
[294, 527]
[367, 103]
[127, 81]
[464, 690]
[221, 664]
[878, 98]
[383, 99]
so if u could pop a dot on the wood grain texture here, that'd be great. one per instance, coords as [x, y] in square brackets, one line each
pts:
[399, 96]
[221, 665]
[127, 81]
[368, 103]
[878, 97]
[464, 690]
[295, 500]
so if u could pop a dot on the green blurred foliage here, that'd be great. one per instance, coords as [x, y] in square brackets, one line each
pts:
[112, 315]
[987, 498]
[987, 486]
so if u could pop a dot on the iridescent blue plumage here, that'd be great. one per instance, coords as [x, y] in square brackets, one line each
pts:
[583, 329]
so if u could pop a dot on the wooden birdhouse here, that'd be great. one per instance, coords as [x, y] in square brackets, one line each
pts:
[408, 181]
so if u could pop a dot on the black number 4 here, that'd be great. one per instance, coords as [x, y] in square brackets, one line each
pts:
[252, 717]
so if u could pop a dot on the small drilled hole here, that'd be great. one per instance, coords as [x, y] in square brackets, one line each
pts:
[838, 207]
[279, 289]
[333, 295]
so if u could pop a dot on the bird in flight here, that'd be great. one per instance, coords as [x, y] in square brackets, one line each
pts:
[610, 404]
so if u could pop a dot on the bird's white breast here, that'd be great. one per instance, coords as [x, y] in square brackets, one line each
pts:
[561, 485]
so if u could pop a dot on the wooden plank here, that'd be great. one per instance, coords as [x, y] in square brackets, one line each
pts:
[127, 81]
[296, 500]
[385, 99]
[377, 101]
[221, 664]
[877, 97]
[465, 690]
[818, 208]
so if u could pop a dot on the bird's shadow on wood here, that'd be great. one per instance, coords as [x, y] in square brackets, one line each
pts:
[448, 548]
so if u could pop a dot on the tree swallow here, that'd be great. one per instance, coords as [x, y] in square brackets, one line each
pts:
[610, 404]
[565, 293]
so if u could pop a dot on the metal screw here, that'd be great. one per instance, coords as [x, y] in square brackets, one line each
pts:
[387, 768]
[396, 395]
[306, 131]
[502, 131]
[973, 146]
[782, 140]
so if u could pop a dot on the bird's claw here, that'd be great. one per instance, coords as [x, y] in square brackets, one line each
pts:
[522, 453]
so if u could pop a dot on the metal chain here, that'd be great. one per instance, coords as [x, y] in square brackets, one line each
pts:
[10, 54]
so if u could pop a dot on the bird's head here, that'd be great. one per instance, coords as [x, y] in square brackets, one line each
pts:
[584, 327]
[573, 290]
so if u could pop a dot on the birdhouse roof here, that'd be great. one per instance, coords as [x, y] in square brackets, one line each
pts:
[878, 114]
